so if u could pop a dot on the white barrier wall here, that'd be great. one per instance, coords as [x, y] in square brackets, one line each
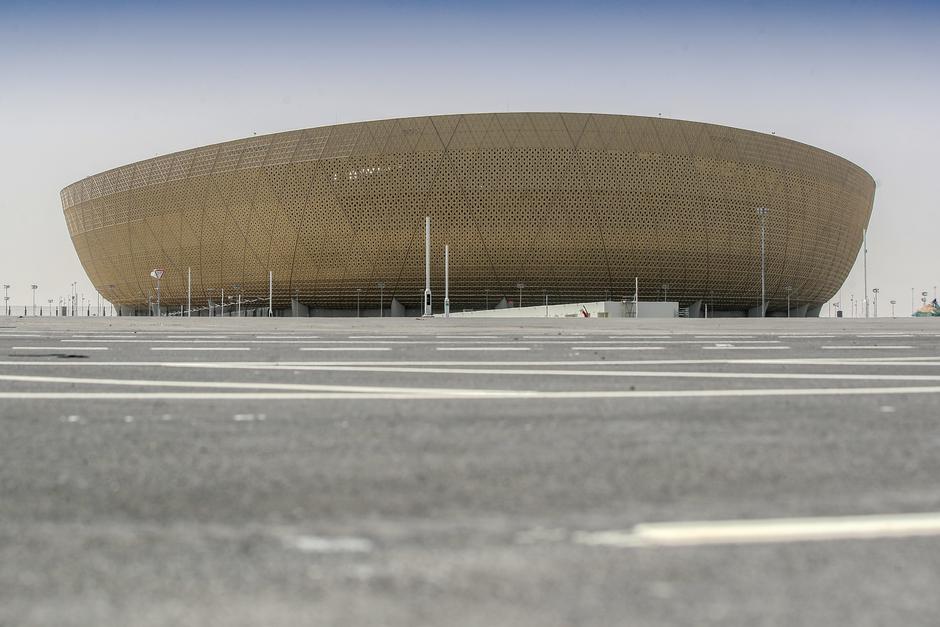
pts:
[600, 309]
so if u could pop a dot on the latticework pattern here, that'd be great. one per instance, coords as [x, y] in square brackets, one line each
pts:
[571, 205]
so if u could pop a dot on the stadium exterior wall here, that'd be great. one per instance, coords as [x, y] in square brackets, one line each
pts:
[572, 205]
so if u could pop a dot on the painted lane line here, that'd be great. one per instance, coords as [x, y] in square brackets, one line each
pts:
[872, 347]
[541, 372]
[25, 335]
[745, 348]
[804, 336]
[553, 337]
[200, 348]
[59, 348]
[237, 385]
[723, 337]
[639, 336]
[377, 337]
[197, 337]
[884, 335]
[287, 337]
[344, 349]
[409, 394]
[768, 531]
[413, 342]
[482, 348]
[467, 337]
[573, 363]
[616, 348]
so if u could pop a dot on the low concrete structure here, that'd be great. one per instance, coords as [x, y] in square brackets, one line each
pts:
[599, 309]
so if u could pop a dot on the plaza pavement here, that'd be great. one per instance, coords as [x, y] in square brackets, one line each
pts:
[469, 472]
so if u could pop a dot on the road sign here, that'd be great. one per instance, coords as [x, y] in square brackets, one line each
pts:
[157, 273]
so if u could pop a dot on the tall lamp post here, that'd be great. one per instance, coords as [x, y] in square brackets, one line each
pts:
[520, 286]
[358, 294]
[34, 286]
[6, 299]
[50, 306]
[788, 289]
[892, 307]
[381, 286]
[762, 212]
[875, 291]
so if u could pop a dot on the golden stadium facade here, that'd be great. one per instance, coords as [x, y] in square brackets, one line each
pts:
[573, 206]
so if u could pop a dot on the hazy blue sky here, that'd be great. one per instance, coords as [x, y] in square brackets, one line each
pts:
[86, 86]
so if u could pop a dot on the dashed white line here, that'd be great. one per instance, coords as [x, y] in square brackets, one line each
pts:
[745, 348]
[616, 348]
[59, 348]
[873, 347]
[200, 348]
[766, 531]
[342, 349]
[482, 348]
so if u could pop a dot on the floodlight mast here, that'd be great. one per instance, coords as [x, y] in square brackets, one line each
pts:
[427, 265]
[446, 281]
[762, 212]
[865, 266]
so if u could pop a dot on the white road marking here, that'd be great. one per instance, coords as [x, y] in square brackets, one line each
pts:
[467, 337]
[804, 336]
[723, 337]
[640, 336]
[917, 362]
[22, 335]
[200, 348]
[542, 372]
[59, 348]
[483, 348]
[616, 348]
[886, 334]
[336, 544]
[872, 347]
[745, 348]
[553, 337]
[197, 337]
[377, 337]
[287, 337]
[343, 349]
[238, 385]
[766, 531]
[410, 394]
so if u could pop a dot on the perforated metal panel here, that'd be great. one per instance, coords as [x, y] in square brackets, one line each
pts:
[572, 205]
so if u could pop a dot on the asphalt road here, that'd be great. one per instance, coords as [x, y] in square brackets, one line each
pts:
[469, 472]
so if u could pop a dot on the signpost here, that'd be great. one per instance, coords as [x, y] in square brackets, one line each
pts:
[157, 273]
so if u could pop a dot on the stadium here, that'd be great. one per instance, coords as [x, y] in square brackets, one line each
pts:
[563, 207]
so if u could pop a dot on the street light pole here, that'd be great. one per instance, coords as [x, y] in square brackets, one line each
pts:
[892, 307]
[381, 286]
[762, 212]
[6, 299]
[358, 292]
[865, 267]
[427, 265]
[446, 281]
[34, 298]
[520, 286]
[189, 292]
[788, 288]
[875, 292]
